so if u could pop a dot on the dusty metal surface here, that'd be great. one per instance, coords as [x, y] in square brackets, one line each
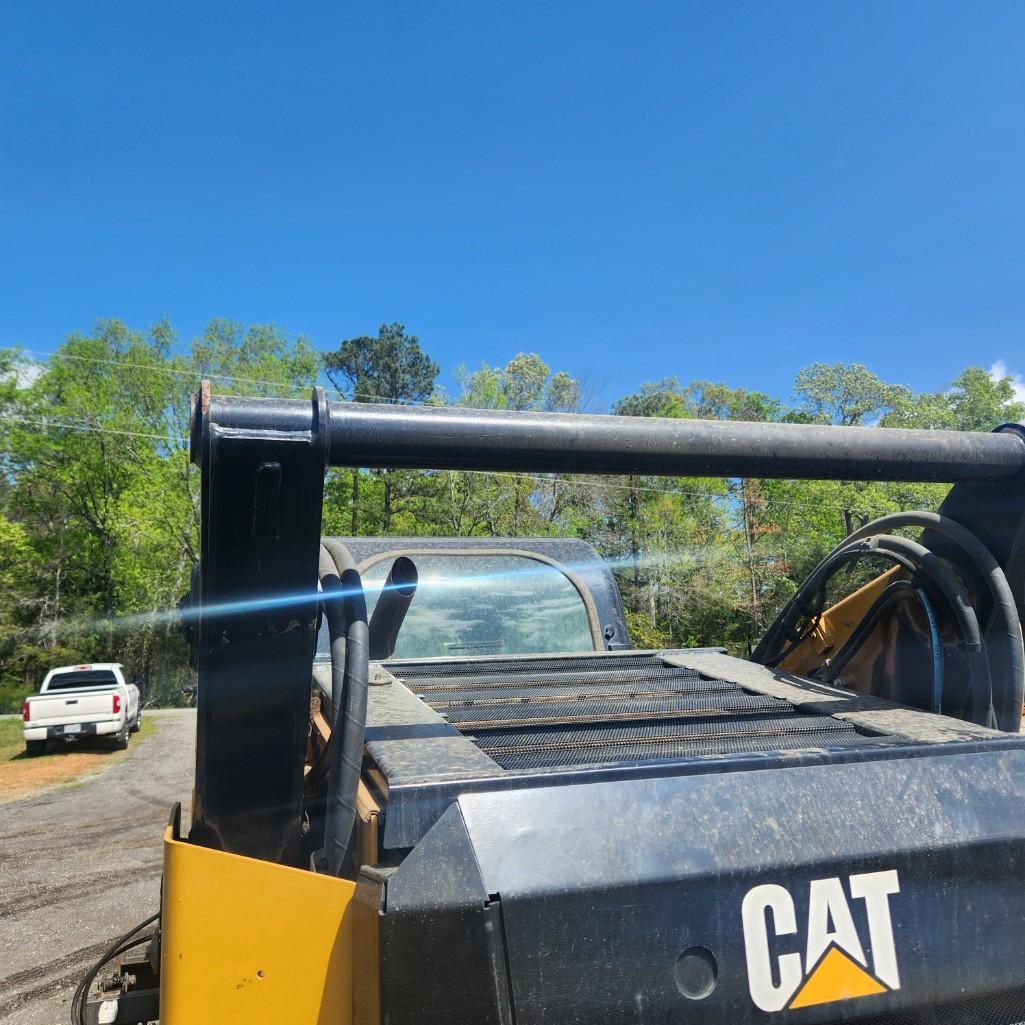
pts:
[868, 713]
[448, 438]
[590, 710]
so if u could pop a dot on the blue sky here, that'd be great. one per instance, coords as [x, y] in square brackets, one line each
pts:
[714, 190]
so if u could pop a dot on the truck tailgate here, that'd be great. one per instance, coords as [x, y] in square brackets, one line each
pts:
[71, 706]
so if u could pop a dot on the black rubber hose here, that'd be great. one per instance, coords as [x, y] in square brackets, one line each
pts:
[934, 568]
[346, 610]
[1007, 700]
[120, 946]
[808, 600]
[899, 590]
[392, 606]
[334, 557]
[915, 558]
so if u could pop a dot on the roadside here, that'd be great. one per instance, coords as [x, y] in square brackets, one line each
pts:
[80, 865]
[22, 776]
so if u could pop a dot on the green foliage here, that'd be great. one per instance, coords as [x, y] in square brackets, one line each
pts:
[99, 502]
[389, 368]
[847, 394]
[99, 515]
[663, 398]
[975, 401]
[526, 382]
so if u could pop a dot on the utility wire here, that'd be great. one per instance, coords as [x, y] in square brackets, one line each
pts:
[89, 428]
[234, 379]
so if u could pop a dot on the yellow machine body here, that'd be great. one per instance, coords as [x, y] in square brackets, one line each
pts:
[835, 625]
[248, 942]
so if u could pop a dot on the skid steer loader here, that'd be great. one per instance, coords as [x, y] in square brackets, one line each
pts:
[485, 806]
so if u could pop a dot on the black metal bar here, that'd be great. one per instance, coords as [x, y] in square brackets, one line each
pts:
[424, 437]
[444, 438]
[255, 601]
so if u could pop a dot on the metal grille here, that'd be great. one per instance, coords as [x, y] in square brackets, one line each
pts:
[590, 708]
[585, 710]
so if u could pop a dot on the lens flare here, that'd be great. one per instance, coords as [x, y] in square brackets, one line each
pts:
[691, 556]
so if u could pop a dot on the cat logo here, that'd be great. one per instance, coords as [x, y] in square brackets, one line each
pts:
[833, 965]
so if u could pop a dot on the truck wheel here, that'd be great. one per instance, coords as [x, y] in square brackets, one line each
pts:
[35, 747]
[136, 723]
[120, 742]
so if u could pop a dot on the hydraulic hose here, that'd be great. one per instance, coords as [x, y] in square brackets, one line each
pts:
[895, 593]
[921, 562]
[392, 606]
[932, 567]
[346, 610]
[810, 597]
[116, 949]
[936, 645]
[898, 591]
[1006, 624]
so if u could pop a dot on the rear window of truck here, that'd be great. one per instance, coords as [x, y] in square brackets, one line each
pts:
[84, 678]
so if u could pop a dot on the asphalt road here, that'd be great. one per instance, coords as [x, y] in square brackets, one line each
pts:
[81, 865]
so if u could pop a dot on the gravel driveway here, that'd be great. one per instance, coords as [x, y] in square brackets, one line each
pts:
[81, 865]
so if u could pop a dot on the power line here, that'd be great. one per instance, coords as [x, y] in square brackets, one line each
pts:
[234, 379]
[88, 428]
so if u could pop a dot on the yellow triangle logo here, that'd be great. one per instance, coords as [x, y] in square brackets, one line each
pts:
[836, 977]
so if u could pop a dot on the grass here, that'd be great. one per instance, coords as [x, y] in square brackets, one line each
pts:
[21, 776]
[10, 738]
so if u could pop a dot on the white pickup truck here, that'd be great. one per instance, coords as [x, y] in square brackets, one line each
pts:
[82, 701]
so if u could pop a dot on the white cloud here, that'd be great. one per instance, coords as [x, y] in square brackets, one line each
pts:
[24, 372]
[999, 371]
[27, 372]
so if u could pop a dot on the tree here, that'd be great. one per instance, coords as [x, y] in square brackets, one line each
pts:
[389, 368]
[99, 504]
[663, 398]
[708, 401]
[846, 394]
[977, 400]
[525, 383]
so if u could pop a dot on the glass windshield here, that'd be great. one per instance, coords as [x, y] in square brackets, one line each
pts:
[484, 605]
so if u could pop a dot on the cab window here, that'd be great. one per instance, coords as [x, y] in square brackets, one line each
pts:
[468, 604]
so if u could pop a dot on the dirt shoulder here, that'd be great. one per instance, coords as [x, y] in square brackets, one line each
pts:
[21, 776]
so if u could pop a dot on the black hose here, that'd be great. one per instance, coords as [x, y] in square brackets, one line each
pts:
[936, 644]
[346, 611]
[915, 558]
[933, 568]
[972, 643]
[120, 946]
[392, 606]
[810, 597]
[899, 590]
[1008, 699]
